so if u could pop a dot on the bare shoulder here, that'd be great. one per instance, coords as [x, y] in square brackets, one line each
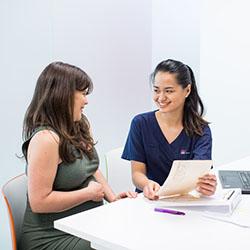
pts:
[44, 149]
[43, 155]
[46, 139]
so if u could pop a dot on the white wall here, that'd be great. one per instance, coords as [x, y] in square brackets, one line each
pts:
[225, 67]
[176, 32]
[109, 39]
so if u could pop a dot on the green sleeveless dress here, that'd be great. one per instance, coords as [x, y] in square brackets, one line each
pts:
[38, 232]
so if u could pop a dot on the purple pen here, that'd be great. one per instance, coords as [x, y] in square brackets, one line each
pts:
[169, 211]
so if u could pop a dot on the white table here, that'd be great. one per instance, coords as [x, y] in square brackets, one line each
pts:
[132, 224]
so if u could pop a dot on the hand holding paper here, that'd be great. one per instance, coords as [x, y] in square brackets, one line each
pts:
[207, 184]
[184, 175]
[151, 189]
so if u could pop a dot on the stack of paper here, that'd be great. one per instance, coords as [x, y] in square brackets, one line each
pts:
[223, 202]
[240, 216]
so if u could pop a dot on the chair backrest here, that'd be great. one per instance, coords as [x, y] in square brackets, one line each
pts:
[14, 192]
[118, 171]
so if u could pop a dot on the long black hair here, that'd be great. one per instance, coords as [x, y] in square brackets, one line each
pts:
[193, 121]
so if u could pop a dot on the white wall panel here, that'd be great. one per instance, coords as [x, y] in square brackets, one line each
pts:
[225, 53]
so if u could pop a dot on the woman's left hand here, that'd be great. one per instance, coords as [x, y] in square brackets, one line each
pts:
[128, 194]
[207, 184]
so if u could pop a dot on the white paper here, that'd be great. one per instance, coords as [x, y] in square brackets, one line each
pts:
[183, 176]
[224, 201]
[240, 216]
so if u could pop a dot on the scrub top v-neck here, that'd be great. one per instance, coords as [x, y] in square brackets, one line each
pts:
[146, 143]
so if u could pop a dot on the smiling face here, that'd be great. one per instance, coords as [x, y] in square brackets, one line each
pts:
[80, 100]
[168, 95]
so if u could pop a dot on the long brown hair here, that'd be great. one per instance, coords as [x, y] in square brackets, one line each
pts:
[52, 106]
[193, 121]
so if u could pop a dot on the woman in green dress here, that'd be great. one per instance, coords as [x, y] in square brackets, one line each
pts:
[62, 163]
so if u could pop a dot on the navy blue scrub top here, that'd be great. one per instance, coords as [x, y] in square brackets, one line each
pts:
[146, 143]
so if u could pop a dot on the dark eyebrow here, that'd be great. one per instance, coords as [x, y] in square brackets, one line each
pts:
[156, 87]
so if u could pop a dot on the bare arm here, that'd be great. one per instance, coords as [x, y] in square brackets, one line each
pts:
[141, 181]
[109, 194]
[43, 159]
[139, 177]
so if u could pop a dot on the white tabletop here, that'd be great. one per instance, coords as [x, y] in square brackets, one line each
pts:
[132, 224]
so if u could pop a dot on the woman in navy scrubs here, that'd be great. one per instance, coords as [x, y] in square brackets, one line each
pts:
[176, 131]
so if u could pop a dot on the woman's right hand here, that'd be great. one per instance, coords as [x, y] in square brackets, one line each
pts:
[96, 191]
[150, 190]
